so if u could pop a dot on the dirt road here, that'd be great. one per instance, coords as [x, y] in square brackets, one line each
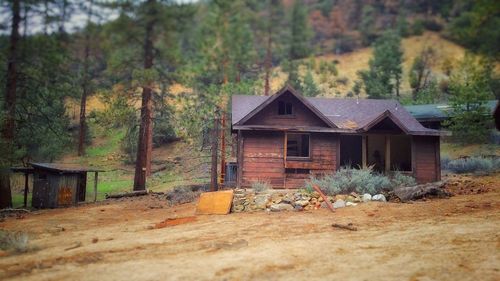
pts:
[441, 239]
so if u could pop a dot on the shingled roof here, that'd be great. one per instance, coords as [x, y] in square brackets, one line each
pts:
[348, 115]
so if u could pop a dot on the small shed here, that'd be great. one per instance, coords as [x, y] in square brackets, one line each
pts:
[58, 185]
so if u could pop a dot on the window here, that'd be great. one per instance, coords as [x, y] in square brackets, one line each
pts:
[297, 145]
[285, 108]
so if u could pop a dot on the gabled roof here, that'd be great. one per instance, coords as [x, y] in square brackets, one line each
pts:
[346, 115]
[270, 99]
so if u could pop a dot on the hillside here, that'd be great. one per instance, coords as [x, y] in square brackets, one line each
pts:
[350, 63]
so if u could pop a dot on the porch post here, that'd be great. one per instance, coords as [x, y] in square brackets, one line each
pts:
[26, 187]
[387, 154]
[363, 152]
[239, 160]
[95, 186]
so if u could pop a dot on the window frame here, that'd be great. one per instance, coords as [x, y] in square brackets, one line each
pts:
[286, 105]
[285, 152]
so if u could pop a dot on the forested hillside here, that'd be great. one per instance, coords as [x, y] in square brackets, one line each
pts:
[75, 72]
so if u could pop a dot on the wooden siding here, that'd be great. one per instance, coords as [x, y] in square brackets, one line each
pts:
[263, 159]
[52, 190]
[302, 116]
[427, 166]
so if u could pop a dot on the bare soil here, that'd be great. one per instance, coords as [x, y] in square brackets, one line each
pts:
[143, 239]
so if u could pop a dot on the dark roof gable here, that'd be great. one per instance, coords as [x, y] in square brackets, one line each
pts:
[270, 99]
[344, 115]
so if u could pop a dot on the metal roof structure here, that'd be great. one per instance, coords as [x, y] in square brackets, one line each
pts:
[438, 111]
[65, 168]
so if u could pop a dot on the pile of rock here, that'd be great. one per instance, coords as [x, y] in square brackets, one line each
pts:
[247, 200]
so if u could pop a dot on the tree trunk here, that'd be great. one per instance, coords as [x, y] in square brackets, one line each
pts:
[268, 65]
[433, 189]
[85, 87]
[5, 195]
[269, 54]
[11, 85]
[145, 129]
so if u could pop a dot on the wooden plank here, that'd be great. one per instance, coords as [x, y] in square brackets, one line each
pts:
[325, 199]
[215, 203]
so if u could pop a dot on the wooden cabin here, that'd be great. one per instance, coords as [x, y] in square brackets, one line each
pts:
[285, 138]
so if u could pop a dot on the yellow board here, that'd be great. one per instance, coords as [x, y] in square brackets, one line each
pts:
[215, 203]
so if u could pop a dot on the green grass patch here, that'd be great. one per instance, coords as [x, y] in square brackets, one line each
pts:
[110, 145]
[18, 200]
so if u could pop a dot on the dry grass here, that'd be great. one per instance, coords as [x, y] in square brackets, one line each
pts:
[350, 63]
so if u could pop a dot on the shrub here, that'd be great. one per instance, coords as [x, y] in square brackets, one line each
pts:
[418, 27]
[445, 160]
[184, 194]
[432, 25]
[260, 186]
[16, 241]
[473, 165]
[347, 180]
[399, 179]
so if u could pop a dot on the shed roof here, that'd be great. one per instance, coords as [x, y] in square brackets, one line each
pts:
[349, 115]
[65, 168]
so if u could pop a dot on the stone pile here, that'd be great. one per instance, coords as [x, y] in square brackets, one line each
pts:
[247, 200]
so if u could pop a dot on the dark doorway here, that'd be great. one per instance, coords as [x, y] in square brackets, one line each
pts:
[351, 151]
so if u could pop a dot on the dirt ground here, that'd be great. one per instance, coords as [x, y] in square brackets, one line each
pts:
[434, 239]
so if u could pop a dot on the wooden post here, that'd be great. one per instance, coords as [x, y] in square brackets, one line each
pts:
[95, 186]
[387, 154]
[364, 151]
[223, 148]
[240, 160]
[438, 159]
[284, 158]
[215, 146]
[26, 175]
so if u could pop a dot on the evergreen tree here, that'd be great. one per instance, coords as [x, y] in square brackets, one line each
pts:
[470, 90]
[420, 72]
[383, 78]
[300, 32]
[309, 87]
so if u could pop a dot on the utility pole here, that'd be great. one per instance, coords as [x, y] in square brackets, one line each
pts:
[213, 175]
[223, 148]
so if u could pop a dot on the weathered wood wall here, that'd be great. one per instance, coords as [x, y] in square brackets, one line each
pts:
[52, 190]
[427, 162]
[302, 116]
[263, 159]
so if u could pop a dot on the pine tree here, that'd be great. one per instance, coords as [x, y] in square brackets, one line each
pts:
[470, 89]
[300, 46]
[383, 78]
[309, 87]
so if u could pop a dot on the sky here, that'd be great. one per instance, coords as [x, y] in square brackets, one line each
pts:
[77, 20]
